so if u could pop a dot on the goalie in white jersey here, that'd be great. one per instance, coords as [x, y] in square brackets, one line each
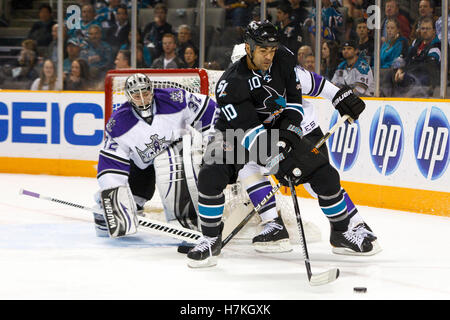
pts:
[142, 149]
[142, 136]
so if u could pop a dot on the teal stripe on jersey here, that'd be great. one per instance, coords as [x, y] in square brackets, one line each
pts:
[336, 209]
[250, 137]
[296, 107]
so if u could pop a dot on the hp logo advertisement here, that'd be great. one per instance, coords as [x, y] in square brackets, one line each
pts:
[344, 144]
[431, 143]
[386, 140]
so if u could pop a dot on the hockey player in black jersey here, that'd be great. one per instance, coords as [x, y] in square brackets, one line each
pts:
[260, 97]
[255, 94]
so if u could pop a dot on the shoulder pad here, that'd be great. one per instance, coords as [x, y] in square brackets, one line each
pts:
[169, 100]
[121, 121]
[232, 86]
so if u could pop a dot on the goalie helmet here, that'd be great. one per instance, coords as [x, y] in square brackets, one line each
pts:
[139, 92]
[261, 33]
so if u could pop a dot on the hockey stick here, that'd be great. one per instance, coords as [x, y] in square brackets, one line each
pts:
[278, 186]
[146, 224]
[251, 214]
[314, 279]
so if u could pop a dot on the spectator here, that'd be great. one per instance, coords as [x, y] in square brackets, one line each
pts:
[290, 31]
[426, 9]
[439, 28]
[52, 50]
[365, 41]
[354, 71]
[47, 77]
[106, 14]
[391, 10]
[74, 47]
[97, 53]
[212, 65]
[302, 52]
[154, 31]
[184, 39]
[123, 59]
[79, 78]
[140, 60]
[87, 20]
[41, 31]
[330, 59]
[143, 51]
[117, 32]
[299, 13]
[26, 62]
[190, 57]
[237, 11]
[394, 46]
[332, 21]
[310, 63]
[168, 60]
[420, 74]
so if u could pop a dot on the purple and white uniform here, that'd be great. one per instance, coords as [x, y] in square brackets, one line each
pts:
[313, 85]
[130, 138]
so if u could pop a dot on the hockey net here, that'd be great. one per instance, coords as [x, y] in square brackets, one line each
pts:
[238, 204]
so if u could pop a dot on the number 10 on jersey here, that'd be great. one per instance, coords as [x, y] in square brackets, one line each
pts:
[229, 111]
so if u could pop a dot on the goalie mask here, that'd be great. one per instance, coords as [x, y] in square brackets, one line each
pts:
[139, 92]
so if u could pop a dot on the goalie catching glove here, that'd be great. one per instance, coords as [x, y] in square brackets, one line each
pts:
[346, 102]
[120, 211]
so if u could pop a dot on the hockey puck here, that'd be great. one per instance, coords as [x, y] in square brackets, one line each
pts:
[360, 289]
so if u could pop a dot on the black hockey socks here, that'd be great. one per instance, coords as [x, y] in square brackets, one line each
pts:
[210, 210]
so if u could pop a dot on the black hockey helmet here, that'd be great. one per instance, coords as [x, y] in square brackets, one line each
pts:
[261, 33]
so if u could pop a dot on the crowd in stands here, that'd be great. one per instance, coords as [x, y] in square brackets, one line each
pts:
[409, 56]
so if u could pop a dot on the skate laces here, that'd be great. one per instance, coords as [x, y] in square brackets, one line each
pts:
[205, 244]
[356, 234]
[270, 226]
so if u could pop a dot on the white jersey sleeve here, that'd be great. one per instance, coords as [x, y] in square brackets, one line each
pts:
[315, 85]
[200, 111]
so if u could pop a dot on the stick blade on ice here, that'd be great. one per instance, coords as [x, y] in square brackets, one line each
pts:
[324, 277]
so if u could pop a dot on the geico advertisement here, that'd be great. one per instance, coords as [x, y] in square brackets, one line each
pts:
[51, 125]
[395, 143]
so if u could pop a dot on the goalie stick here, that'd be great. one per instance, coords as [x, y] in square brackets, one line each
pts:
[146, 224]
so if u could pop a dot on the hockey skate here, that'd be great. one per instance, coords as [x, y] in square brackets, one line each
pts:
[205, 253]
[273, 238]
[357, 240]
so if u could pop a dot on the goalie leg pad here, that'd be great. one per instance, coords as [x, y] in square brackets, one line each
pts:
[120, 211]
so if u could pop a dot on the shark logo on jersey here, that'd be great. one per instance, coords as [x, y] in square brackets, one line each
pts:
[273, 105]
[155, 147]
[431, 143]
[177, 96]
[386, 140]
[344, 144]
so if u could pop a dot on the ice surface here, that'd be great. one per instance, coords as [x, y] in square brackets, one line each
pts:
[50, 251]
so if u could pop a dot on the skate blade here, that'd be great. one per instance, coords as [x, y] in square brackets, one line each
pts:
[273, 247]
[349, 252]
[209, 262]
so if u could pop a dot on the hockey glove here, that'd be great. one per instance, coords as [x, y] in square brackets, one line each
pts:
[346, 102]
[283, 164]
